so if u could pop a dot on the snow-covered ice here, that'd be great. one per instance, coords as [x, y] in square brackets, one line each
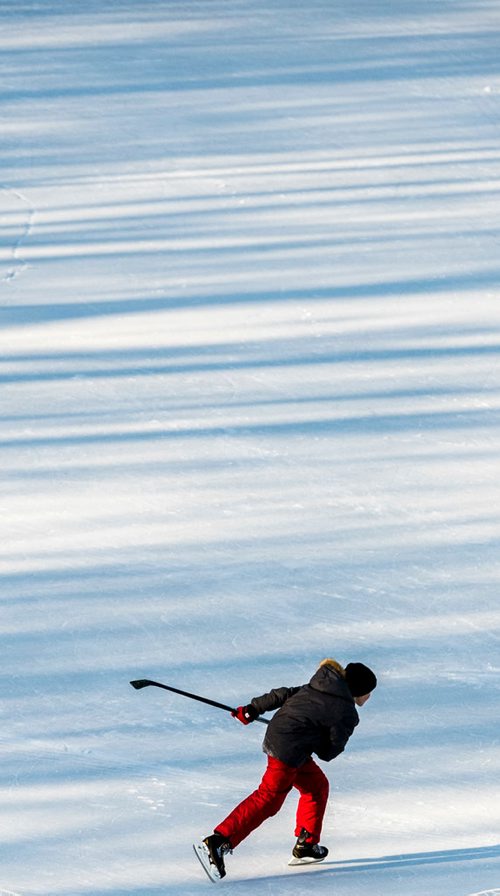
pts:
[250, 417]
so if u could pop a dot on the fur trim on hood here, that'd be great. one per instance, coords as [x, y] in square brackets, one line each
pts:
[334, 665]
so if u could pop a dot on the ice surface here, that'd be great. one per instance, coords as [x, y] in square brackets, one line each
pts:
[250, 417]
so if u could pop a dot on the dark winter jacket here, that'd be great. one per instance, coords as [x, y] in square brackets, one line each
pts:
[318, 717]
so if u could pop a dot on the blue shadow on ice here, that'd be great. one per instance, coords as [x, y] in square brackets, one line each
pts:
[20, 314]
[406, 860]
[398, 862]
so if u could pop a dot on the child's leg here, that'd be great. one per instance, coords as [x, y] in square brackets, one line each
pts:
[313, 787]
[264, 802]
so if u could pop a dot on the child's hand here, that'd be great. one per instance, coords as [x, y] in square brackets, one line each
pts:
[245, 714]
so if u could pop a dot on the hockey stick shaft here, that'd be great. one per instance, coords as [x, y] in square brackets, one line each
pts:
[146, 682]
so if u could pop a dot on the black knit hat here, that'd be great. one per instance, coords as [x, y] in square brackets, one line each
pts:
[360, 679]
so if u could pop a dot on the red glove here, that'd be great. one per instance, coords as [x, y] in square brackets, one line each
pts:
[245, 714]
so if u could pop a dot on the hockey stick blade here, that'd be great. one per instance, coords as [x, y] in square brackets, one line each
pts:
[140, 683]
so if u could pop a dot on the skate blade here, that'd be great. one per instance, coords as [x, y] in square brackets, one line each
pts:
[307, 860]
[201, 853]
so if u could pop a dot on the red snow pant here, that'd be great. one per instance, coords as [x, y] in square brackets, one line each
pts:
[270, 795]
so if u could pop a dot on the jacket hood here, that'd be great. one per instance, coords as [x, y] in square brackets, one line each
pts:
[330, 681]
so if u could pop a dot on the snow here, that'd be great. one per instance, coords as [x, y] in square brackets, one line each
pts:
[250, 416]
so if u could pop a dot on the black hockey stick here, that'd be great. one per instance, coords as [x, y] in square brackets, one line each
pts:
[146, 682]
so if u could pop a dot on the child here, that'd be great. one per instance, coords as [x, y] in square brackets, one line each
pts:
[319, 718]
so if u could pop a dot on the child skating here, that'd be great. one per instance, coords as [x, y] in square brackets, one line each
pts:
[318, 717]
